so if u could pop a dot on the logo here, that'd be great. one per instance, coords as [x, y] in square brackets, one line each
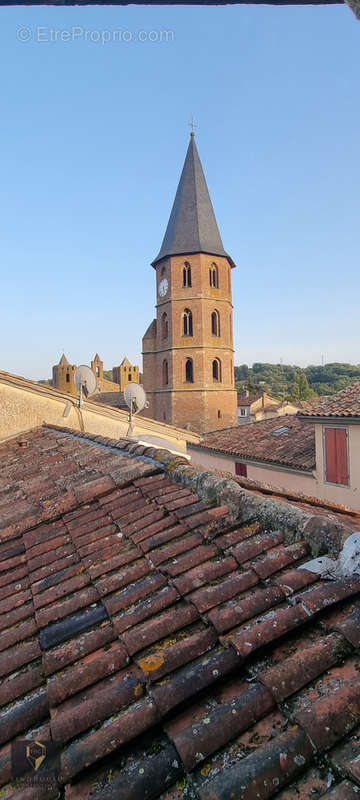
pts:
[35, 754]
[35, 763]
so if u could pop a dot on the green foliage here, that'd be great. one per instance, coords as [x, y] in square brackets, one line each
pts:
[295, 388]
[108, 374]
[291, 382]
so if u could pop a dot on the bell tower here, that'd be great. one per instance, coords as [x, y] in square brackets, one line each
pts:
[188, 356]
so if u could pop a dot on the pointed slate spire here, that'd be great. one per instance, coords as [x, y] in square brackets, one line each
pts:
[192, 227]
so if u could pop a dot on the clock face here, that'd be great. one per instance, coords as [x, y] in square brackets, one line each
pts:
[163, 287]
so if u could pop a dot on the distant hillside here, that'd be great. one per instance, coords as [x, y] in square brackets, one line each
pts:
[284, 380]
[108, 374]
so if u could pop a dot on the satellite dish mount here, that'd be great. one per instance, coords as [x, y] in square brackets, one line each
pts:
[85, 382]
[135, 399]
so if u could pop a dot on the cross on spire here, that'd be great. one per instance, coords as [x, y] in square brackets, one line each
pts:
[192, 125]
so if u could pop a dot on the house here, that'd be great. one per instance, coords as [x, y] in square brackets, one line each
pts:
[276, 452]
[163, 635]
[315, 453]
[252, 408]
[336, 420]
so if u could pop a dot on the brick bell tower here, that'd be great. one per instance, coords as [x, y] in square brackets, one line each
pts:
[188, 355]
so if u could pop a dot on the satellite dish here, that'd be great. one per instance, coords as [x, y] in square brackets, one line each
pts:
[135, 398]
[85, 381]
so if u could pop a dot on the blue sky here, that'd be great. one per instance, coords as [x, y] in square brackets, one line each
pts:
[93, 138]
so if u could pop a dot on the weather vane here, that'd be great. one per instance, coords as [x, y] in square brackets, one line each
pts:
[192, 126]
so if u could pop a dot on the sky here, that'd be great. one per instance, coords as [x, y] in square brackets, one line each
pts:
[95, 105]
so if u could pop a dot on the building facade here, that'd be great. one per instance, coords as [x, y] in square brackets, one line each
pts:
[188, 356]
[126, 373]
[253, 408]
[63, 376]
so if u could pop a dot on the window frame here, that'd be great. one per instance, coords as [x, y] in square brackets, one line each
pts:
[215, 323]
[217, 362]
[187, 322]
[165, 372]
[243, 467]
[345, 428]
[186, 275]
[189, 361]
[164, 326]
[214, 276]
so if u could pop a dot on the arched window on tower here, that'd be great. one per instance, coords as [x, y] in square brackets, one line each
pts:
[165, 373]
[216, 369]
[164, 326]
[189, 371]
[187, 274]
[215, 323]
[187, 322]
[214, 276]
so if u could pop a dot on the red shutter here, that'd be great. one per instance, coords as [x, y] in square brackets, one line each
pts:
[336, 456]
[241, 469]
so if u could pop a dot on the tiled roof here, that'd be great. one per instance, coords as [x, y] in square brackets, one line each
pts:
[247, 401]
[342, 404]
[259, 441]
[168, 651]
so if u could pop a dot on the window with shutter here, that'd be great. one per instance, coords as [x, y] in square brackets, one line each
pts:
[241, 469]
[336, 456]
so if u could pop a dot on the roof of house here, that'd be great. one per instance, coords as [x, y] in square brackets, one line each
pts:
[192, 227]
[286, 440]
[248, 400]
[166, 649]
[345, 403]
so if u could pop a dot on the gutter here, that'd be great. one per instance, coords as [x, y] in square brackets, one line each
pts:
[335, 419]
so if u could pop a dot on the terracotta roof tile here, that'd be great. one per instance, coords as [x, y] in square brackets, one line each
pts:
[161, 625]
[244, 607]
[217, 723]
[114, 732]
[134, 592]
[90, 669]
[170, 654]
[259, 441]
[307, 662]
[272, 765]
[223, 589]
[345, 403]
[175, 547]
[279, 557]
[129, 609]
[343, 791]
[77, 648]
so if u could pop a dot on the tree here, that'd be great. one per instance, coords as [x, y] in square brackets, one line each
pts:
[295, 388]
[305, 392]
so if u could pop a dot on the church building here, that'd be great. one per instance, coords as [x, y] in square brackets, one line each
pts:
[188, 355]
